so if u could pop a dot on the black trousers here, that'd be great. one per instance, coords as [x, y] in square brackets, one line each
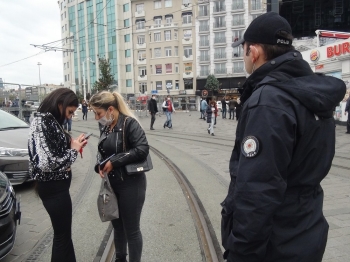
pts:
[57, 202]
[348, 122]
[153, 118]
[131, 192]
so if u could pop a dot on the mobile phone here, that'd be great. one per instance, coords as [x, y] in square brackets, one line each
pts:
[103, 163]
[86, 136]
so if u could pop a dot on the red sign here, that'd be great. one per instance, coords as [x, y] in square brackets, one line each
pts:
[319, 67]
[314, 55]
[339, 49]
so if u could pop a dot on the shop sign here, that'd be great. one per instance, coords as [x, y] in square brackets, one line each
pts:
[318, 67]
[338, 50]
[314, 55]
[204, 92]
[154, 91]
[182, 92]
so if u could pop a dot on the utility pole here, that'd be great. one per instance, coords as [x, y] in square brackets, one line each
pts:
[90, 60]
[39, 90]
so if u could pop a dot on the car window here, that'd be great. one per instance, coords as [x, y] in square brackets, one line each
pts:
[36, 104]
[8, 121]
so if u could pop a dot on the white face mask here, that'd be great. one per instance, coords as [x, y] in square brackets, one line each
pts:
[104, 121]
[153, 97]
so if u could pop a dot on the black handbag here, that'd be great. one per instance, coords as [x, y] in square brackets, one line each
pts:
[140, 167]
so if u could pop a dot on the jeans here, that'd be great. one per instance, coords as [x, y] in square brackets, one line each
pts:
[84, 115]
[232, 112]
[67, 122]
[57, 202]
[153, 119]
[211, 127]
[224, 112]
[131, 194]
[168, 122]
[202, 114]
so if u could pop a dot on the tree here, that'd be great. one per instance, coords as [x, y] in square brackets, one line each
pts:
[106, 77]
[212, 83]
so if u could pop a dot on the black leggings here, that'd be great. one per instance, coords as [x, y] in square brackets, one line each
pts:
[131, 196]
[57, 202]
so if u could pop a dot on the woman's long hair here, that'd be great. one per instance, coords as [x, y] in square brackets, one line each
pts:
[105, 99]
[60, 96]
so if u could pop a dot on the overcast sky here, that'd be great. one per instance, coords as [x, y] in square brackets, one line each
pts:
[22, 23]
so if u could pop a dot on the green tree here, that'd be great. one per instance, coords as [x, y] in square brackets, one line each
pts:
[212, 83]
[106, 77]
[80, 96]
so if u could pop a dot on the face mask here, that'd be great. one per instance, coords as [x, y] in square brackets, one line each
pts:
[153, 97]
[104, 121]
[168, 98]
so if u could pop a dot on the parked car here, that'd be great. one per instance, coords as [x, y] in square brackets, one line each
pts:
[14, 148]
[10, 214]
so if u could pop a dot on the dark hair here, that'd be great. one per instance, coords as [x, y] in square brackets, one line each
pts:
[61, 96]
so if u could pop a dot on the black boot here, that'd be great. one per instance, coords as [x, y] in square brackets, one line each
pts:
[120, 259]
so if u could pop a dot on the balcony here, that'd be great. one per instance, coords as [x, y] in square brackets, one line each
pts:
[143, 46]
[220, 56]
[142, 78]
[141, 61]
[238, 70]
[220, 25]
[157, 26]
[237, 5]
[237, 22]
[203, 13]
[219, 9]
[204, 73]
[220, 40]
[204, 28]
[140, 27]
[171, 25]
[186, 7]
[203, 1]
[220, 71]
[204, 58]
[204, 43]
[187, 40]
[187, 58]
[140, 13]
[187, 75]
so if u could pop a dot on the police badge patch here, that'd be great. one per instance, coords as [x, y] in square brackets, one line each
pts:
[250, 146]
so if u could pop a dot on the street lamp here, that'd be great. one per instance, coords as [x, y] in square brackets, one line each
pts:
[91, 61]
[39, 64]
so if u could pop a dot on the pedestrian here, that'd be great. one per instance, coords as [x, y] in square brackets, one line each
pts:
[84, 109]
[211, 112]
[67, 124]
[347, 111]
[284, 146]
[52, 151]
[168, 108]
[113, 113]
[238, 108]
[153, 110]
[223, 104]
[231, 107]
[200, 108]
[204, 106]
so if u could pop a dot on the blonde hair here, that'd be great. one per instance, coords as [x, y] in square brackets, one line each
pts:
[105, 99]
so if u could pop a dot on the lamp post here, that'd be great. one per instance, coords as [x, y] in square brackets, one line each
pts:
[39, 89]
[39, 64]
[91, 61]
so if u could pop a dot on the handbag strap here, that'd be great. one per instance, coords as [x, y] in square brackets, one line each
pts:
[124, 147]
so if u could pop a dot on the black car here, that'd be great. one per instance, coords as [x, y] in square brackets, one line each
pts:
[14, 160]
[9, 215]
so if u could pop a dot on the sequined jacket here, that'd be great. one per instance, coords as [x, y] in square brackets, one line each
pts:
[50, 157]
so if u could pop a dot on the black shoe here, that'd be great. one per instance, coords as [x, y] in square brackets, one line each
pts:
[164, 126]
[201, 118]
[347, 132]
[208, 131]
[152, 128]
[212, 134]
[204, 119]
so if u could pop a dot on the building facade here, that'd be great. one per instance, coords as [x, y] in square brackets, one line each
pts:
[92, 30]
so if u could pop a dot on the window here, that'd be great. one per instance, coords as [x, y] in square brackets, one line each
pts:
[188, 84]
[187, 51]
[169, 84]
[126, 22]
[157, 37]
[143, 87]
[187, 18]
[176, 51]
[188, 68]
[203, 26]
[187, 33]
[157, 22]
[236, 35]
[67, 64]
[219, 6]
[65, 26]
[204, 71]
[186, 2]
[204, 55]
[256, 4]
[139, 8]
[61, 16]
[238, 67]
[157, 4]
[127, 38]
[220, 68]
[158, 85]
[128, 82]
[220, 53]
[167, 35]
[141, 55]
[126, 7]
[65, 78]
[237, 20]
[140, 24]
[158, 69]
[203, 10]
[237, 52]
[219, 37]
[142, 71]
[176, 84]
[128, 68]
[157, 52]
[168, 3]
[219, 21]
[64, 67]
[127, 53]
[168, 68]
[175, 34]
[168, 20]
[140, 39]
[176, 68]
[65, 14]
[68, 77]
[168, 51]
[62, 29]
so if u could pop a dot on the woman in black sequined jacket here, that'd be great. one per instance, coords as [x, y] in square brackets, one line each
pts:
[51, 153]
[112, 112]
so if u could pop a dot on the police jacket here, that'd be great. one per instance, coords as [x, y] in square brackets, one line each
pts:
[135, 141]
[285, 143]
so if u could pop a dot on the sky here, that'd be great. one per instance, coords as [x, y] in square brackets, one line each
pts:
[23, 23]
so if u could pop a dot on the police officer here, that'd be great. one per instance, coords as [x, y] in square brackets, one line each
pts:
[285, 143]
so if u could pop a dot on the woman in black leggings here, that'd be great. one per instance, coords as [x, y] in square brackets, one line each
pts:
[51, 153]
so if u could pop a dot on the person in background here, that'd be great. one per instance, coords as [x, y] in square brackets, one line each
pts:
[238, 108]
[67, 124]
[84, 109]
[211, 112]
[200, 108]
[51, 153]
[153, 110]
[223, 104]
[112, 113]
[284, 147]
[347, 111]
[168, 107]
[231, 106]
[204, 106]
